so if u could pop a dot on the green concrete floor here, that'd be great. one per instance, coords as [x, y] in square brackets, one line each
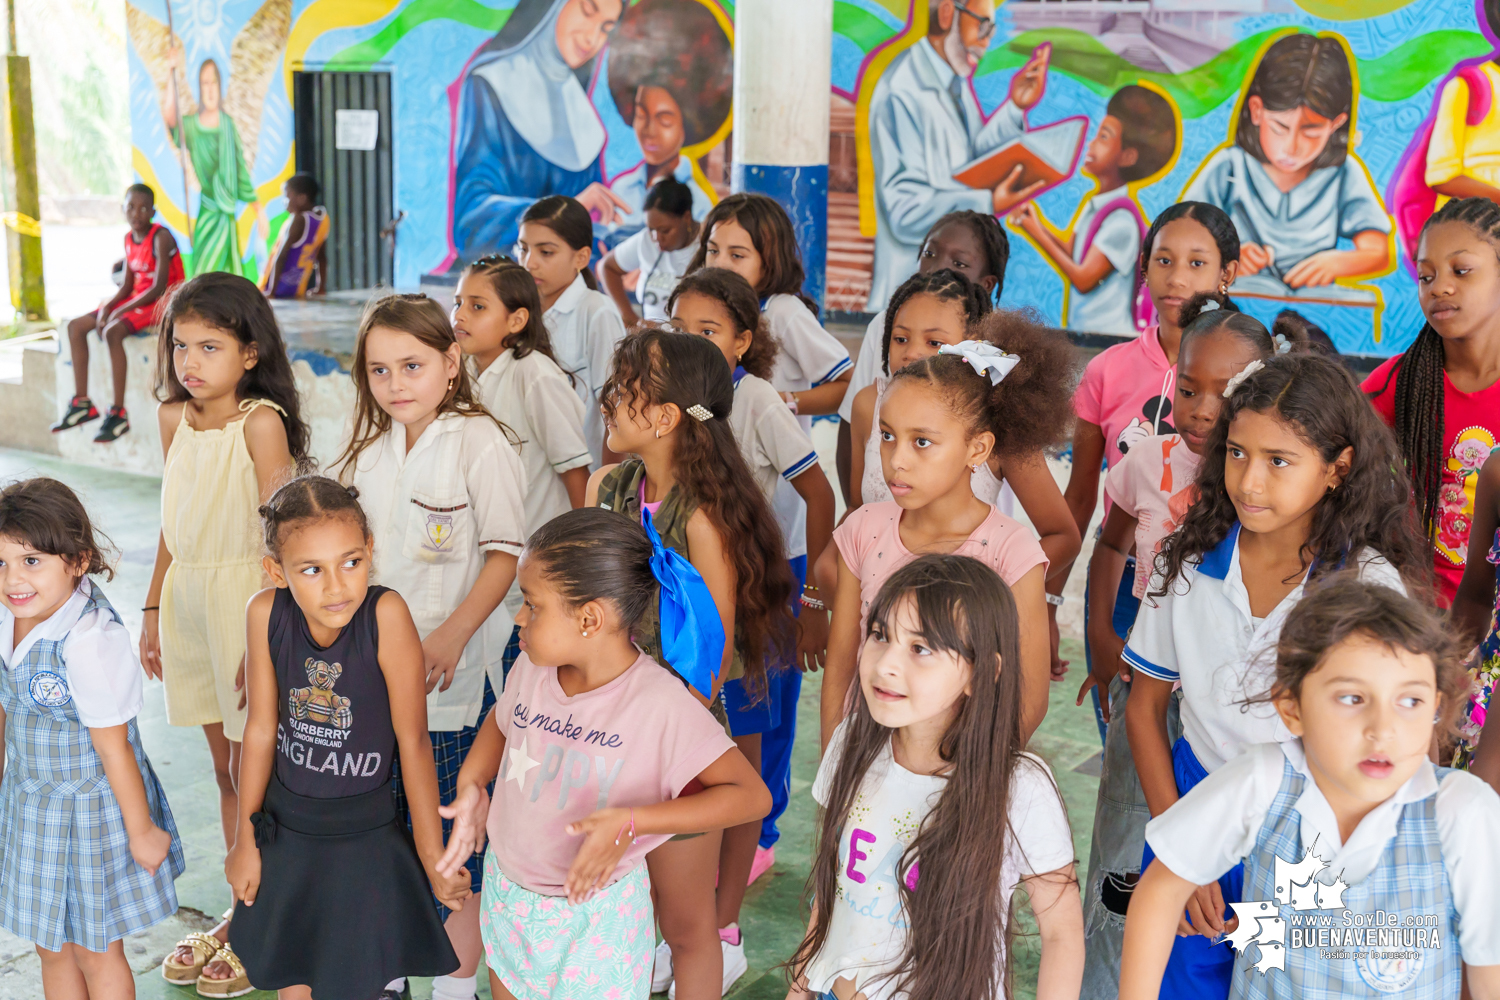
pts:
[127, 508]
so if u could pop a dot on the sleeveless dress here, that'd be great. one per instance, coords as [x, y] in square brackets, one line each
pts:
[872, 486]
[1484, 672]
[1410, 884]
[344, 904]
[66, 873]
[620, 490]
[209, 497]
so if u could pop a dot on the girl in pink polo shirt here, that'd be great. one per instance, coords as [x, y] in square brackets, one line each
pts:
[941, 418]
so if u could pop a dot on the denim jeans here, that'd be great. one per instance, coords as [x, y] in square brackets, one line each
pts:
[1120, 816]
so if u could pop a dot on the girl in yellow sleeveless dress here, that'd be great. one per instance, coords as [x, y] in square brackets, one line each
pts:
[231, 430]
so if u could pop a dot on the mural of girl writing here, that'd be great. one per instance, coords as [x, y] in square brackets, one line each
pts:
[1304, 206]
[525, 125]
[671, 75]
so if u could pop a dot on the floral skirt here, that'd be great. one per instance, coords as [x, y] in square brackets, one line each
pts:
[1484, 672]
[545, 947]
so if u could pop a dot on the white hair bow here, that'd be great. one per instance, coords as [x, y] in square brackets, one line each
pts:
[1246, 372]
[985, 358]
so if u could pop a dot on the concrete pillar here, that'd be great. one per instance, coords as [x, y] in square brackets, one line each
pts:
[18, 184]
[783, 51]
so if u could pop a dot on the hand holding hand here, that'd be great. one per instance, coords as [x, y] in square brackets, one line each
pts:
[607, 835]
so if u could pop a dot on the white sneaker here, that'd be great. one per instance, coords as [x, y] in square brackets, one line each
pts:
[661, 969]
[735, 966]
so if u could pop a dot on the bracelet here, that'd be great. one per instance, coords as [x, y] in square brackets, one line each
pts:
[154, 607]
[1056, 600]
[630, 824]
[811, 586]
[814, 603]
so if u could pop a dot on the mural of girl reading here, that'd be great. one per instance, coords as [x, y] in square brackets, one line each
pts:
[1290, 183]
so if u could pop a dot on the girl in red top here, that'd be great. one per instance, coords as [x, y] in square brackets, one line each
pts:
[153, 267]
[1442, 397]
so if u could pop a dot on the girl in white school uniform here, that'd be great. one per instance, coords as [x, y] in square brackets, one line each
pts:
[1368, 871]
[751, 235]
[443, 489]
[1298, 478]
[555, 245]
[497, 321]
[719, 304]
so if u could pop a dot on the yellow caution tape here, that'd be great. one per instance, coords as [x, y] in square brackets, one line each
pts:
[22, 223]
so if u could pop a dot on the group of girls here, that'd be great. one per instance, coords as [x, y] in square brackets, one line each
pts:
[412, 781]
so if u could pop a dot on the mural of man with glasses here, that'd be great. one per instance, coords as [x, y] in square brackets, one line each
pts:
[925, 123]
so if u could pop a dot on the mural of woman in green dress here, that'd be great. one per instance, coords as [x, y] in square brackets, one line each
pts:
[217, 165]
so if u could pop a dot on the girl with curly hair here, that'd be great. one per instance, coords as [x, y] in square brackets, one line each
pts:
[668, 401]
[1298, 479]
[941, 418]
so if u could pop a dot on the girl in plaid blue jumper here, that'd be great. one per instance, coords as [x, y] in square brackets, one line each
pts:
[1368, 871]
[90, 851]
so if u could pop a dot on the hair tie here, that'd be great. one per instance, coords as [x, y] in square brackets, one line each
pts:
[692, 633]
[353, 492]
[1208, 306]
[1283, 346]
[266, 511]
[985, 358]
[1246, 372]
[700, 413]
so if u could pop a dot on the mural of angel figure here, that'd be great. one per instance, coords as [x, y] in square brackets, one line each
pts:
[218, 131]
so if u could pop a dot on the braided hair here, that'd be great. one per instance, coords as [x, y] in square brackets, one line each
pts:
[1419, 376]
[946, 285]
[991, 236]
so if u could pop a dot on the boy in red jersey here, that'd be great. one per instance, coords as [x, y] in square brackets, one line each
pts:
[153, 267]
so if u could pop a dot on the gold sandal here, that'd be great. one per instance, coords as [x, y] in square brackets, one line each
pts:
[204, 946]
[236, 985]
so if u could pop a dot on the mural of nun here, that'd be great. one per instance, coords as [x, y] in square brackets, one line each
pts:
[526, 126]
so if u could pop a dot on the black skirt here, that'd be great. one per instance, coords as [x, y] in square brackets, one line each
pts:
[344, 905]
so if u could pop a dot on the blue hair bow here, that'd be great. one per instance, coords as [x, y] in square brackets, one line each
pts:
[692, 633]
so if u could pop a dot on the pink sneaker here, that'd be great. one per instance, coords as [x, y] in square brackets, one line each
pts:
[765, 860]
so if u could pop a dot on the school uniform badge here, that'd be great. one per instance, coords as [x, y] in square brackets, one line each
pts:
[49, 690]
[439, 529]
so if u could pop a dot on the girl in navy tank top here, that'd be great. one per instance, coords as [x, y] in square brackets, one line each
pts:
[332, 892]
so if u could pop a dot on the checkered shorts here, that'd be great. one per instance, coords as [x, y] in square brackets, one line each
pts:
[449, 751]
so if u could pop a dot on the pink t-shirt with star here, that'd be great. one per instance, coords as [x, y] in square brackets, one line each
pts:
[638, 740]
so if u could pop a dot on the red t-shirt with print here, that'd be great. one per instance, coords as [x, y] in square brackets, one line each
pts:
[1471, 429]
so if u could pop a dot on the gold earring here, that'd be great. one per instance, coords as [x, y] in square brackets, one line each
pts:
[450, 385]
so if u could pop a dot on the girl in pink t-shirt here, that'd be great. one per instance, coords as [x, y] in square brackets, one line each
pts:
[942, 417]
[594, 745]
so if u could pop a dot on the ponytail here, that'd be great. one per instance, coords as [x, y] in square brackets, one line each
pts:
[571, 222]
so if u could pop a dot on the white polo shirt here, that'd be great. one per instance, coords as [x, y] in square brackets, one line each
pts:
[866, 366]
[533, 398]
[1202, 634]
[659, 270]
[1215, 826]
[435, 512]
[585, 326]
[774, 445]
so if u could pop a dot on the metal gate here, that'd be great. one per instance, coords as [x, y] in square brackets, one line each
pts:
[356, 182]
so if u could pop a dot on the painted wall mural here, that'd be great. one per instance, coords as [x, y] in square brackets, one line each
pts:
[1328, 129]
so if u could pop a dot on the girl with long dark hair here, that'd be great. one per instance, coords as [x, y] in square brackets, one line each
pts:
[933, 813]
[668, 401]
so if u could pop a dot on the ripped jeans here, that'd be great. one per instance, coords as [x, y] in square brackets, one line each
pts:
[1120, 816]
